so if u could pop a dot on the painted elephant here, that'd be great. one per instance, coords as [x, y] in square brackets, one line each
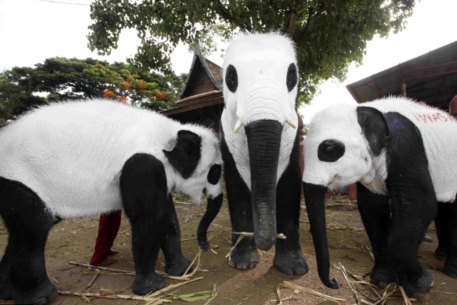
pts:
[79, 159]
[402, 154]
[260, 149]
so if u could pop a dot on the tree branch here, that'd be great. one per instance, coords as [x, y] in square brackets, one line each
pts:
[227, 16]
[308, 22]
[293, 20]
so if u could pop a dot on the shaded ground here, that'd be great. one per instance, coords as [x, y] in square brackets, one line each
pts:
[74, 241]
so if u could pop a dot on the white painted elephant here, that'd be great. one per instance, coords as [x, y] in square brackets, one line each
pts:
[85, 158]
[403, 156]
[260, 149]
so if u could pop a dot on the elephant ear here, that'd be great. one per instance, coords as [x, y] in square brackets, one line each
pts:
[374, 128]
[185, 155]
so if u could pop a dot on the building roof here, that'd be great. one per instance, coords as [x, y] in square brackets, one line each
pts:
[429, 78]
[203, 86]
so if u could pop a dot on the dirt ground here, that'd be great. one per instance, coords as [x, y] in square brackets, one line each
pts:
[73, 241]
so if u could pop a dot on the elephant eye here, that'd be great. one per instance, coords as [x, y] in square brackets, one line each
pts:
[330, 150]
[231, 78]
[291, 80]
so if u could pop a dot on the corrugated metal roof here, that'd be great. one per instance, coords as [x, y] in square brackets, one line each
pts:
[430, 78]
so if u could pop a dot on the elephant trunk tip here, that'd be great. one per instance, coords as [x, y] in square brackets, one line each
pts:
[264, 227]
[263, 243]
[332, 283]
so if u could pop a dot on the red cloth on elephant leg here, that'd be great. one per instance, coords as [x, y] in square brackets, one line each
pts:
[352, 191]
[108, 227]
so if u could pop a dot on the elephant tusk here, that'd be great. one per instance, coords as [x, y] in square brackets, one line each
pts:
[238, 126]
[291, 123]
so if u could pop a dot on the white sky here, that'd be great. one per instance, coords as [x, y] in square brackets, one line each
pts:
[33, 30]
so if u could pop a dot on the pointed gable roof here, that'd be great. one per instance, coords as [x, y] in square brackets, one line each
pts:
[203, 87]
[204, 76]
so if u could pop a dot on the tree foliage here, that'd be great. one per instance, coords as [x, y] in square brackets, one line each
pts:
[60, 79]
[329, 34]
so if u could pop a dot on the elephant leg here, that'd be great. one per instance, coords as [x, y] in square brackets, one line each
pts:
[289, 257]
[143, 185]
[175, 262]
[413, 202]
[450, 267]
[245, 254]
[28, 223]
[410, 219]
[375, 213]
[442, 220]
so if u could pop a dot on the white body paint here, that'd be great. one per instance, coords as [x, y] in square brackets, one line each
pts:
[261, 61]
[439, 134]
[71, 154]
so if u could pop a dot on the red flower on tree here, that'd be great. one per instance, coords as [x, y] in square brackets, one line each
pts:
[123, 99]
[108, 92]
[159, 95]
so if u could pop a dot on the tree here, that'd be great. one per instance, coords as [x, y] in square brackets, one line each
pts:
[15, 99]
[329, 34]
[59, 79]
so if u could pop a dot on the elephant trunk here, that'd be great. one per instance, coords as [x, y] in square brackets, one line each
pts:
[315, 206]
[264, 141]
[212, 209]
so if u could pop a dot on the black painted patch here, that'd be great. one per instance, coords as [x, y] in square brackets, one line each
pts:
[405, 148]
[23, 267]
[374, 128]
[21, 207]
[185, 155]
[239, 199]
[412, 199]
[145, 199]
[231, 78]
[288, 197]
[214, 174]
[142, 181]
[292, 77]
[330, 150]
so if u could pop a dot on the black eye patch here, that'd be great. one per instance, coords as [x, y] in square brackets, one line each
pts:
[330, 150]
[231, 78]
[214, 174]
[292, 77]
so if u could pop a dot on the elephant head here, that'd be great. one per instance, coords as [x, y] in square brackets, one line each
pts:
[344, 144]
[197, 158]
[259, 120]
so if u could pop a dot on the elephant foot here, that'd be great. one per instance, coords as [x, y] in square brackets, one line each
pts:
[418, 286]
[145, 284]
[383, 275]
[244, 260]
[450, 267]
[290, 261]
[40, 296]
[440, 253]
[177, 266]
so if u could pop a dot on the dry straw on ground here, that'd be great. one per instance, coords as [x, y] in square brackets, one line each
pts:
[155, 298]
